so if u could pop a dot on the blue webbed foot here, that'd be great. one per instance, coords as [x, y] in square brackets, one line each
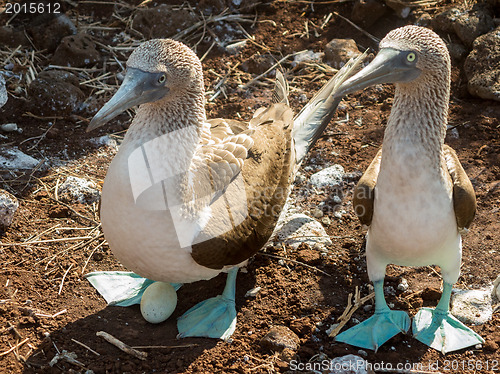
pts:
[214, 317]
[442, 331]
[376, 330]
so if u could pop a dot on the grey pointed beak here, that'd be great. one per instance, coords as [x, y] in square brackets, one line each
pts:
[137, 88]
[389, 66]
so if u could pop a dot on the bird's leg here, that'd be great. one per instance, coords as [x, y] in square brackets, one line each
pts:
[380, 327]
[212, 318]
[440, 330]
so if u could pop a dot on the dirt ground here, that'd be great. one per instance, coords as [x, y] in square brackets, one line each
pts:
[45, 302]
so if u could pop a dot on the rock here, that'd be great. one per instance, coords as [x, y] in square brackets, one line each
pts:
[14, 159]
[496, 289]
[76, 51]
[349, 364]
[9, 127]
[472, 306]
[162, 21]
[471, 25]
[424, 20]
[331, 177]
[13, 37]
[445, 20]
[457, 51]
[55, 92]
[308, 57]
[279, 338]
[8, 207]
[253, 292]
[399, 7]
[3, 91]
[482, 66]
[48, 30]
[105, 140]
[299, 228]
[257, 64]
[367, 12]
[78, 190]
[403, 285]
[339, 51]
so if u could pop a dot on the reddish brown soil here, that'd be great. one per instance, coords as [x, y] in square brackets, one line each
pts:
[300, 297]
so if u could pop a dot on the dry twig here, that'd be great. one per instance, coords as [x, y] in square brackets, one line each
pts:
[121, 345]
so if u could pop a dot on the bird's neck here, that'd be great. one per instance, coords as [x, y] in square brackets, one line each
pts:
[180, 113]
[417, 123]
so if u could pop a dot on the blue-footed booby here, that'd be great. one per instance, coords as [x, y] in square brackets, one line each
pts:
[415, 196]
[186, 198]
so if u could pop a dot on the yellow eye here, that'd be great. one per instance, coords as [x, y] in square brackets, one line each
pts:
[162, 78]
[411, 57]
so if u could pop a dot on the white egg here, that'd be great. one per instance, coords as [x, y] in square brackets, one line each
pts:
[158, 302]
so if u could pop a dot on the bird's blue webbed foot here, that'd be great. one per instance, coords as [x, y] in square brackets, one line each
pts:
[376, 330]
[214, 317]
[440, 330]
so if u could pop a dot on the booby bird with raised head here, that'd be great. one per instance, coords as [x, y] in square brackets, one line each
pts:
[415, 196]
[185, 197]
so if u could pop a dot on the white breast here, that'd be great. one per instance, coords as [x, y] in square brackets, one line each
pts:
[413, 221]
[146, 236]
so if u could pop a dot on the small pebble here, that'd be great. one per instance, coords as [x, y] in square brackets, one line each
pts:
[363, 353]
[367, 307]
[9, 127]
[403, 286]
[253, 292]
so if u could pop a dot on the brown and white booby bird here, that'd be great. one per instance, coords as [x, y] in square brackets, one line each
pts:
[185, 197]
[415, 196]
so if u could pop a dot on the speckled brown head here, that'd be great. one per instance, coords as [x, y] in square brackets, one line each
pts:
[161, 71]
[180, 66]
[409, 56]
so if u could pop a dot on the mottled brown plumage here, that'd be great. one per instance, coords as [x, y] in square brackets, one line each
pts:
[223, 182]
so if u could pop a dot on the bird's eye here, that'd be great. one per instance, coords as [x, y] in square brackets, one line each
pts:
[162, 79]
[411, 57]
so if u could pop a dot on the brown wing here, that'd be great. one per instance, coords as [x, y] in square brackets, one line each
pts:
[263, 188]
[464, 198]
[364, 193]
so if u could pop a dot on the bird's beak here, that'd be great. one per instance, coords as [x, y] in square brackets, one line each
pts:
[136, 89]
[389, 66]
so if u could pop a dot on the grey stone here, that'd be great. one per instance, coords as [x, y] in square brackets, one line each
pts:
[339, 51]
[472, 306]
[3, 91]
[298, 228]
[9, 127]
[78, 190]
[482, 66]
[14, 159]
[331, 177]
[8, 207]
[471, 25]
[279, 338]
